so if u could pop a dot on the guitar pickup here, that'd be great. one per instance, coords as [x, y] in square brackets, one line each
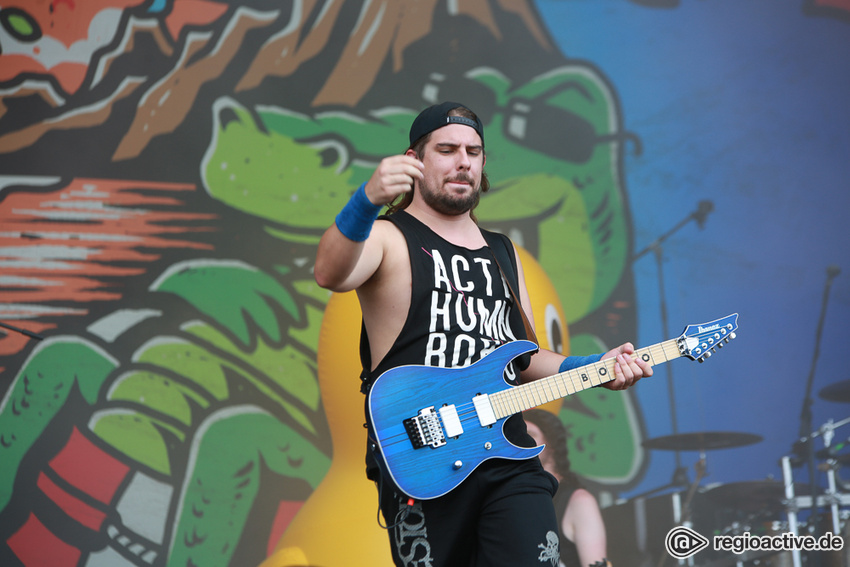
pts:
[424, 430]
[451, 421]
[484, 409]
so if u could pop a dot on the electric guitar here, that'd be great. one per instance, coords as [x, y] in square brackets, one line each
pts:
[433, 426]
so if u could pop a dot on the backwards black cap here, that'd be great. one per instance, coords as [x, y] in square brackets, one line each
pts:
[437, 116]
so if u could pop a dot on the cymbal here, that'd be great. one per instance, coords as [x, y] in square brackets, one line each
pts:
[702, 441]
[838, 392]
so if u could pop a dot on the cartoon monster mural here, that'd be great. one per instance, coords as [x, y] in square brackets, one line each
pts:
[174, 413]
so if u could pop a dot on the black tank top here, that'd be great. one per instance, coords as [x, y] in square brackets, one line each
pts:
[460, 308]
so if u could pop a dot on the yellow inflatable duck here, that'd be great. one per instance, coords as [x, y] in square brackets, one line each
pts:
[338, 524]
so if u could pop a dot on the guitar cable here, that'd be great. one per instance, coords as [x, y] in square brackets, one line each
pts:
[379, 485]
[402, 515]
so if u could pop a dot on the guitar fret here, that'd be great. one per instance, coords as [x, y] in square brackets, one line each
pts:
[562, 388]
[543, 390]
[527, 397]
[568, 379]
[522, 399]
[503, 410]
[550, 387]
[496, 402]
[510, 405]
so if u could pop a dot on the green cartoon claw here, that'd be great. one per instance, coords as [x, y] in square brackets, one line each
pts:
[255, 296]
[55, 368]
[226, 463]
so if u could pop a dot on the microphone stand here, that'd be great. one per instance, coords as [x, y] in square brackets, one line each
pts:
[680, 474]
[806, 437]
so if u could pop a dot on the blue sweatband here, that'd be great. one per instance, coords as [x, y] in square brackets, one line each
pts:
[356, 218]
[573, 362]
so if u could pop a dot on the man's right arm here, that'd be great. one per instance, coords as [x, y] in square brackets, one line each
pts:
[350, 252]
[343, 264]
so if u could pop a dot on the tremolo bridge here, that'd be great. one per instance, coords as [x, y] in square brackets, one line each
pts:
[431, 428]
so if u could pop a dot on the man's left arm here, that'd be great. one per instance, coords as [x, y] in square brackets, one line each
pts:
[627, 369]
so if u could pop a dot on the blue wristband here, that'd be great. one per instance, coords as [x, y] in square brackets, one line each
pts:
[356, 218]
[573, 362]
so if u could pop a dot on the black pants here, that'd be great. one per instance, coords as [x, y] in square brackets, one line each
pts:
[501, 515]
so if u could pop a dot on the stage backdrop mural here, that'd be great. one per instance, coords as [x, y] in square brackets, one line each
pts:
[177, 390]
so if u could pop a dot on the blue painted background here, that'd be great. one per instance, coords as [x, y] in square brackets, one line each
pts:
[745, 104]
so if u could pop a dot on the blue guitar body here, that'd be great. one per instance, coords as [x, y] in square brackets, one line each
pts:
[401, 393]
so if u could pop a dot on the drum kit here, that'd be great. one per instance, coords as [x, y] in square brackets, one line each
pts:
[637, 527]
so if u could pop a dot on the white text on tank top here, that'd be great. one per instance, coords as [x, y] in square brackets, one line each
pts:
[469, 304]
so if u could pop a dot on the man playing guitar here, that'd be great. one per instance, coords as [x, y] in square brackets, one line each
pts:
[433, 292]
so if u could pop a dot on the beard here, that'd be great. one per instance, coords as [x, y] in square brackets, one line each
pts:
[450, 203]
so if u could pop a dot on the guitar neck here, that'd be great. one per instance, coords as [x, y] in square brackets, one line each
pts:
[520, 398]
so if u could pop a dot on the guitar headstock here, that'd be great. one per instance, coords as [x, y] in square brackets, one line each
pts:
[698, 342]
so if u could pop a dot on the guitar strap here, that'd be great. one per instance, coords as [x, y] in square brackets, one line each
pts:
[493, 238]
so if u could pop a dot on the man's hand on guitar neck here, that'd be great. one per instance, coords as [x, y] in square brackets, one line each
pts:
[627, 368]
